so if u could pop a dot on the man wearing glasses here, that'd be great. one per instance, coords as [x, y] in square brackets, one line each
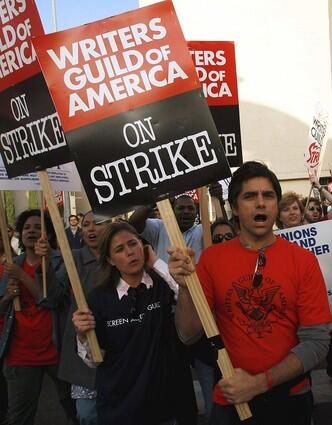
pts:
[270, 304]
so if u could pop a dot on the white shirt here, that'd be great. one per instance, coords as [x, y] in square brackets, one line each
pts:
[155, 232]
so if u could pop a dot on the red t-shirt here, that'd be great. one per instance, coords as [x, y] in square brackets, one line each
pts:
[259, 325]
[31, 343]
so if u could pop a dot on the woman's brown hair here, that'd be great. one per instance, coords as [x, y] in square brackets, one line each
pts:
[287, 199]
[109, 275]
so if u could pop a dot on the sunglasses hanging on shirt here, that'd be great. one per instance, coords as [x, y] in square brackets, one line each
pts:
[257, 280]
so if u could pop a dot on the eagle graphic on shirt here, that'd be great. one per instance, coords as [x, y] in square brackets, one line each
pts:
[256, 304]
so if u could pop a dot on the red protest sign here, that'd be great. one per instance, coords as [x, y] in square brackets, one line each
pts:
[19, 21]
[110, 66]
[194, 194]
[216, 70]
[30, 131]
[131, 106]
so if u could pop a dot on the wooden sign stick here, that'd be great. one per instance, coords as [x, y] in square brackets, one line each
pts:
[199, 300]
[217, 208]
[220, 209]
[223, 209]
[307, 204]
[43, 235]
[7, 247]
[204, 213]
[68, 260]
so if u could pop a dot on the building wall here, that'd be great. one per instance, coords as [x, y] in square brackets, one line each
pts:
[283, 54]
[82, 203]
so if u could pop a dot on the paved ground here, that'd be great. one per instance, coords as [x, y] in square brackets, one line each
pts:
[50, 413]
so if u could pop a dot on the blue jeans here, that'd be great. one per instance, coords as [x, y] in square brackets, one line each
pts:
[205, 375]
[86, 411]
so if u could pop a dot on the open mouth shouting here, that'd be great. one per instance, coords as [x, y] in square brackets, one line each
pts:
[260, 218]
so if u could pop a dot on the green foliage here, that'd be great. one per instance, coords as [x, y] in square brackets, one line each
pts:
[10, 207]
[33, 199]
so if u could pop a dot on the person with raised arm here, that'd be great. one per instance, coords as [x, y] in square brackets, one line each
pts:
[269, 299]
[143, 378]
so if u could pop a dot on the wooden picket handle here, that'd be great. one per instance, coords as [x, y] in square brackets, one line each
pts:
[68, 260]
[217, 207]
[307, 204]
[43, 235]
[7, 247]
[199, 300]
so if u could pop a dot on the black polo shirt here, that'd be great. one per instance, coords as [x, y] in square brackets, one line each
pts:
[142, 369]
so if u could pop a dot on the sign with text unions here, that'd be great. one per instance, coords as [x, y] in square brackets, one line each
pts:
[216, 70]
[132, 108]
[317, 238]
[31, 136]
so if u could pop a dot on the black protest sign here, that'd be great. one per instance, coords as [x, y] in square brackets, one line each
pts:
[165, 149]
[132, 108]
[216, 69]
[31, 137]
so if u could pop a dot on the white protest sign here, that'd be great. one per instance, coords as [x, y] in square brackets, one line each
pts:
[63, 178]
[317, 238]
[317, 139]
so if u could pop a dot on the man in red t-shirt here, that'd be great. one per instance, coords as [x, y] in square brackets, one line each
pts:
[270, 304]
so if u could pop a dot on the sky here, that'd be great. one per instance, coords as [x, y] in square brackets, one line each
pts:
[71, 13]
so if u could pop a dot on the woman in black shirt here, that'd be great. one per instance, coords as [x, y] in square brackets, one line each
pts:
[143, 379]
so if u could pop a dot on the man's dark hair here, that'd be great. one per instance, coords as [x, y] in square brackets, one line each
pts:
[222, 222]
[50, 232]
[313, 200]
[73, 216]
[184, 196]
[247, 171]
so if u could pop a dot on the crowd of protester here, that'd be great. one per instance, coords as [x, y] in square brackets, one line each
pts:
[146, 325]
